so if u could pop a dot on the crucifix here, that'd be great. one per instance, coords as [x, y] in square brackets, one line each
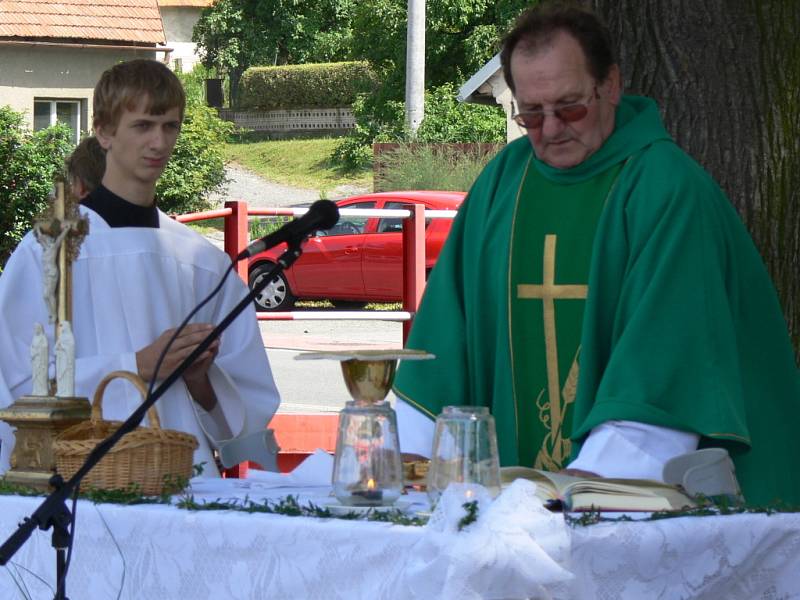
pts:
[52, 406]
[60, 234]
[548, 292]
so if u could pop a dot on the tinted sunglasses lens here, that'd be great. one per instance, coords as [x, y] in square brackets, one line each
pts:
[530, 120]
[572, 113]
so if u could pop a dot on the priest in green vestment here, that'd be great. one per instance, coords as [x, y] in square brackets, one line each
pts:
[599, 293]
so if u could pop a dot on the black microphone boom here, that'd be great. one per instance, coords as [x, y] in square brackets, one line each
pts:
[323, 214]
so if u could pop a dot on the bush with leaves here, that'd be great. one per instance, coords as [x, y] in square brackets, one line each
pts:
[318, 85]
[446, 121]
[197, 166]
[30, 162]
[428, 166]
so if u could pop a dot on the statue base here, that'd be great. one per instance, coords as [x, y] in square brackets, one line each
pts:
[38, 420]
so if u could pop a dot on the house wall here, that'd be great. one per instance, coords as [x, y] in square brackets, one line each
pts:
[28, 72]
[503, 96]
[178, 23]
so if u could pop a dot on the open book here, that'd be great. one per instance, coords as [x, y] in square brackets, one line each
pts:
[585, 493]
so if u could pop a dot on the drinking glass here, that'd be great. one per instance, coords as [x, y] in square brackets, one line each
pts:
[464, 450]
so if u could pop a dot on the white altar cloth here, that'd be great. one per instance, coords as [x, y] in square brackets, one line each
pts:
[161, 552]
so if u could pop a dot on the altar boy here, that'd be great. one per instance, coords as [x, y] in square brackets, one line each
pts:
[138, 275]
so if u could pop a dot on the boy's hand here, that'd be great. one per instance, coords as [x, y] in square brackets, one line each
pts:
[183, 346]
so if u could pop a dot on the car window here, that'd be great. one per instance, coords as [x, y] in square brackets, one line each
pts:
[350, 224]
[394, 224]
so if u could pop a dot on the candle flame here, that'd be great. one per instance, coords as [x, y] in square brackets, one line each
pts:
[371, 484]
[469, 494]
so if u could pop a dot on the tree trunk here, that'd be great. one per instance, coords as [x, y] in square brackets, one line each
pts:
[234, 77]
[726, 74]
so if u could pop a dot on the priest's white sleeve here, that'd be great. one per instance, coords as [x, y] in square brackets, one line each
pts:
[631, 449]
[414, 429]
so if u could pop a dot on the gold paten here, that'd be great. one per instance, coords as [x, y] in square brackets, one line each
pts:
[368, 373]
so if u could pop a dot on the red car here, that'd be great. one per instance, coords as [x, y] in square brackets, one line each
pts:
[359, 260]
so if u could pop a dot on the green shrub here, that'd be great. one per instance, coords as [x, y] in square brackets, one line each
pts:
[323, 85]
[446, 121]
[432, 166]
[197, 166]
[30, 162]
[194, 83]
[262, 226]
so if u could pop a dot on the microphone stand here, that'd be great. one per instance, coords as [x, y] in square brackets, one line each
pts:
[53, 511]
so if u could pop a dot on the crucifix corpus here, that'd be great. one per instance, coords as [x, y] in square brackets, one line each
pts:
[52, 406]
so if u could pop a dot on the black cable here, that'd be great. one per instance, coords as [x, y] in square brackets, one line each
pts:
[180, 328]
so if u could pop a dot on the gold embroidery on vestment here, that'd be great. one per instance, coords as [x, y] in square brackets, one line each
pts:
[551, 413]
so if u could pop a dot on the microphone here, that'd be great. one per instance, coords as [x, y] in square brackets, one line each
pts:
[323, 214]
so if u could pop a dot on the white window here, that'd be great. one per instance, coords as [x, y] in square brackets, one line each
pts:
[50, 112]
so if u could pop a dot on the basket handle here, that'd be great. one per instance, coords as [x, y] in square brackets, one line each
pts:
[137, 381]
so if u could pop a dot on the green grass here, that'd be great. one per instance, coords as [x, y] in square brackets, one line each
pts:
[426, 167]
[300, 162]
[207, 226]
[328, 305]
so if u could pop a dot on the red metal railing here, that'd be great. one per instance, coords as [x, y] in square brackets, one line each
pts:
[237, 237]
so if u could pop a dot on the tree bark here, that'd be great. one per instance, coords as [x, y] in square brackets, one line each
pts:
[726, 74]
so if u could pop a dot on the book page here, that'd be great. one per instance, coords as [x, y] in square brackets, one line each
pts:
[578, 493]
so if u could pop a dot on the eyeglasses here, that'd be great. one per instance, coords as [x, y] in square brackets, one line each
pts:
[569, 113]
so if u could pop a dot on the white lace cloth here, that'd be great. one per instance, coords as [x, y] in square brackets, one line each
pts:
[514, 549]
[162, 552]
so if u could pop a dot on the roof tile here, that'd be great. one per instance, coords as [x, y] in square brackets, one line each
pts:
[103, 20]
[190, 3]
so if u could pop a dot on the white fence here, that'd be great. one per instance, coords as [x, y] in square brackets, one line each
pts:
[292, 121]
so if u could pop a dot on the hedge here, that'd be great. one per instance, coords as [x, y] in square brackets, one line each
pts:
[322, 85]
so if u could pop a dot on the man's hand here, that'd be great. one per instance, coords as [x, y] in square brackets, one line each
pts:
[196, 376]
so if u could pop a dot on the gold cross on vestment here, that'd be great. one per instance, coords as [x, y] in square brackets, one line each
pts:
[548, 292]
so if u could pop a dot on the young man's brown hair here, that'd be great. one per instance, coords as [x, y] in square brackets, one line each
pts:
[125, 84]
[86, 166]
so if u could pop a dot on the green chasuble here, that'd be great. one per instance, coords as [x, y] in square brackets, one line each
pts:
[681, 326]
[551, 248]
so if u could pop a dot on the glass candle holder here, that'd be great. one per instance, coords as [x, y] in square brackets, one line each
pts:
[464, 451]
[367, 468]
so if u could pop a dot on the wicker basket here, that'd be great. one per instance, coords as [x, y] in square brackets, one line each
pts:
[152, 458]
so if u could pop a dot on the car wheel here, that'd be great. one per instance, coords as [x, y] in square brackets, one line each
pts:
[276, 295]
[348, 304]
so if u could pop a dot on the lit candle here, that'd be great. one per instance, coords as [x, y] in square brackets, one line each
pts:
[371, 495]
